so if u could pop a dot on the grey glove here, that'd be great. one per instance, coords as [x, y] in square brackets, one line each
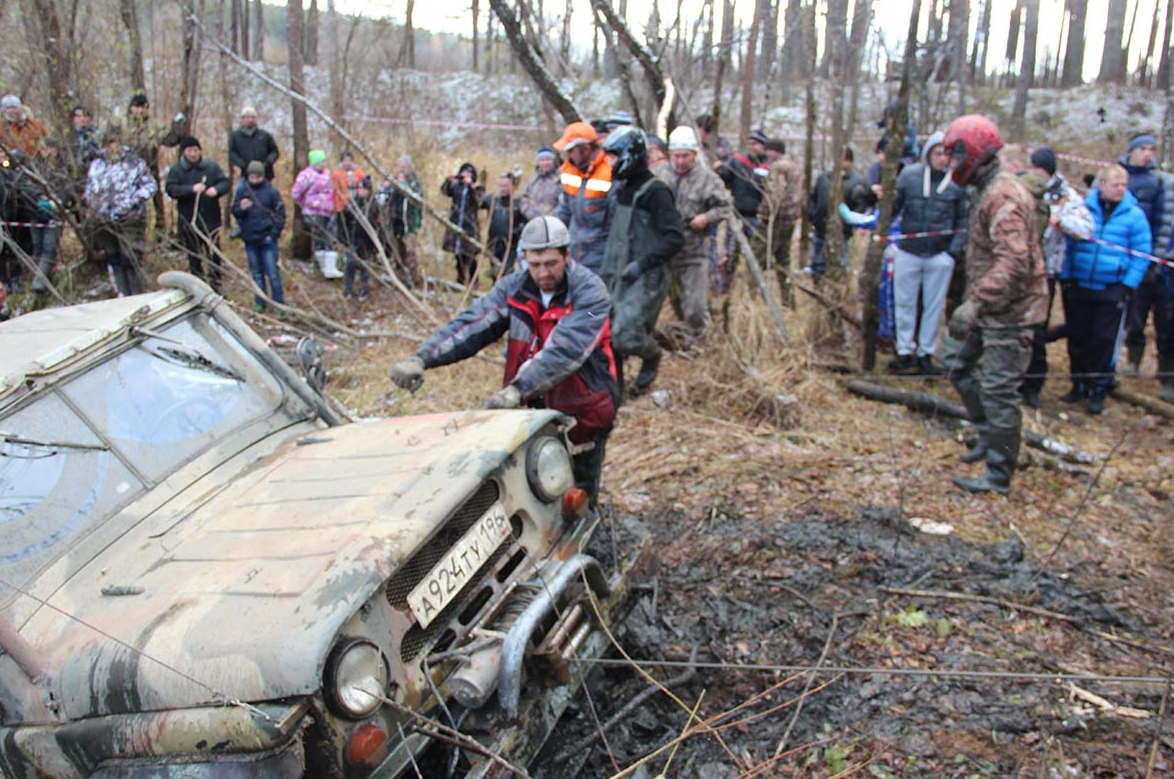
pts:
[506, 397]
[408, 374]
[962, 321]
[631, 272]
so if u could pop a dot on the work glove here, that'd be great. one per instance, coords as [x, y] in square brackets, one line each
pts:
[47, 207]
[631, 272]
[408, 374]
[506, 397]
[962, 322]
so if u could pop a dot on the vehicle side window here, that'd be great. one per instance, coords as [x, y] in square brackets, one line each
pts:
[54, 489]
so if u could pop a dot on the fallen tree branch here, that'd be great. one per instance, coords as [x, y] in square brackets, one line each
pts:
[531, 62]
[1152, 405]
[836, 308]
[772, 306]
[933, 405]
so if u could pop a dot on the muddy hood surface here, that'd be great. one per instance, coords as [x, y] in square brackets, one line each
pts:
[243, 596]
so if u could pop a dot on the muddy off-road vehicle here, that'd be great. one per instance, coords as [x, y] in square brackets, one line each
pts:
[206, 572]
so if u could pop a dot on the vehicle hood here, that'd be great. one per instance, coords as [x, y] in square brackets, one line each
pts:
[241, 595]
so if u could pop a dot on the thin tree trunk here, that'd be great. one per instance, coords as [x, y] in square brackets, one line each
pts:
[243, 10]
[1114, 31]
[476, 32]
[565, 42]
[1124, 63]
[337, 72]
[834, 34]
[792, 43]
[1164, 68]
[748, 69]
[1150, 55]
[226, 112]
[1073, 74]
[128, 10]
[652, 72]
[310, 36]
[808, 165]
[870, 280]
[530, 61]
[301, 146]
[977, 62]
[770, 39]
[408, 50]
[707, 39]
[1026, 68]
[725, 47]
[259, 33]
[959, 26]
[192, 46]
[234, 14]
[43, 30]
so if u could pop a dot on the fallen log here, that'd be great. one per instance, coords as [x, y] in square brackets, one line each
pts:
[839, 309]
[1152, 405]
[935, 406]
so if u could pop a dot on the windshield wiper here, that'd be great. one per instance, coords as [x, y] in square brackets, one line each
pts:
[9, 438]
[194, 359]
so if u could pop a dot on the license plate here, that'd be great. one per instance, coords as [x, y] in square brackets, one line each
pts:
[445, 581]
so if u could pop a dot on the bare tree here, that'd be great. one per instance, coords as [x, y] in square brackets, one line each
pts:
[1073, 74]
[128, 10]
[476, 34]
[1150, 55]
[978, 51]
[407, 53]
[792, 44]
[259, 32]
[748, 67]
[959, 25]
[1164, 68]
[876, 249]
[310, 35]
[652, 71]
[531, 61]
[301, 145]
[1112, 68]
[45, 38]
[192, 50]
[770, 38]
[1026, 68]
[835, 34]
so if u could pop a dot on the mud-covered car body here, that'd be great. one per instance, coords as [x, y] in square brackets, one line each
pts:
[207, 573]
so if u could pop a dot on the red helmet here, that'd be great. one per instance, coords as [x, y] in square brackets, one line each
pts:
[972, 140]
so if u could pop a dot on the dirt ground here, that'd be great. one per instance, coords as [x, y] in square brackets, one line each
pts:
[785, 534]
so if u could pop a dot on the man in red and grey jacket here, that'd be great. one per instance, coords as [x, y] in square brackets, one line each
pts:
[559, 356]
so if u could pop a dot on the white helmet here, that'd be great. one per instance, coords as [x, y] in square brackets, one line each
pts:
[682, 138]
[544, 232]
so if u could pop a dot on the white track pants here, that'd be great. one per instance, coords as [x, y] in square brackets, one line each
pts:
[930, 275]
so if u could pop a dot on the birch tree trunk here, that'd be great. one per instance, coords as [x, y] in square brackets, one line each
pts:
[408, 50]
[297, 84]
[959, 26]
[531, 62]
[476, 33]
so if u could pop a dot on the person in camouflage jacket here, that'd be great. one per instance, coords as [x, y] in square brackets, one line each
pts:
[145, 139]
[703, 202]
[992, 332]
[118, 186]
[540, 195]
[780, 210]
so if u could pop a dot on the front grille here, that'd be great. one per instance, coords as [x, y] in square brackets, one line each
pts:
[417, 638]
[414, 570]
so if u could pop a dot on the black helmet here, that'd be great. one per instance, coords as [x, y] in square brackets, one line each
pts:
[630, 147]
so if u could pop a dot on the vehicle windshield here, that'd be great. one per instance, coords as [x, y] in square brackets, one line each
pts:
[71, 458]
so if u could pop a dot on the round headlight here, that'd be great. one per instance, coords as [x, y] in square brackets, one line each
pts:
[548, 467]
[356, 679]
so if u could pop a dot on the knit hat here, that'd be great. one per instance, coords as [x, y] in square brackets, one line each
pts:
[682, 138]
[1142, 139]
[248, 111]
[1045, 159]
[576, 134]
[139, 98]
[468, 166]
[10, 101]
[544, 153]
[758, 135]
[618, 119]
[656, 142]
[365, 183]
[347, 155]
[777, 145]
[256, 167]
[316, 156]
[188, 142]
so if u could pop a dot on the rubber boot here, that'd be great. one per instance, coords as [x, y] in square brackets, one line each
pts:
[45, 266]
[1166, 378]
[1001, 458]
[1133, 367]
[649, 366]
[977, 450]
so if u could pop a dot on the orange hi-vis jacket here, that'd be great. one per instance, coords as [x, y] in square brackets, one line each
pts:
[585, 206]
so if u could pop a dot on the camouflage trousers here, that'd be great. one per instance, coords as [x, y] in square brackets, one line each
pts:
[987, 369]
[690, 293]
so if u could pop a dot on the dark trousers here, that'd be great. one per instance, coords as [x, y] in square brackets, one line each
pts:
[1151, 295]
[588, 466]
[1037, 369]
[122, 243]
[198, 250]
[1095, 318]
[356, 265]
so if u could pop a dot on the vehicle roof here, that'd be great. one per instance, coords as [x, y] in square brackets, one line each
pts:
[38, 342]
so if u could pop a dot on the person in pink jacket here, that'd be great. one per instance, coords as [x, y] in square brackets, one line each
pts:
[313, 190]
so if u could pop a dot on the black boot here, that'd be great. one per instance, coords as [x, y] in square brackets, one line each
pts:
[648, 369]
[1075, 395]
[1133, 367]
[977, 451]
[1001, 458]
[1166, 378]
[926, 364]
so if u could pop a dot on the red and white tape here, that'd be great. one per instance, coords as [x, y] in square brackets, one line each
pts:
[926, 234]
[31, 224]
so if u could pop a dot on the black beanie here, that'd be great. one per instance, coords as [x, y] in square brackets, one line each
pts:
[188, 142]
[1044, 158]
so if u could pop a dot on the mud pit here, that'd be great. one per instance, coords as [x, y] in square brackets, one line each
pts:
[750, 591]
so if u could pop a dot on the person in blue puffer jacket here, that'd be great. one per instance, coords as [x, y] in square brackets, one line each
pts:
[1097, 282]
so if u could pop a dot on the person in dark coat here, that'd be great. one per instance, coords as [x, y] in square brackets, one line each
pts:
[196, 185]
[855, 193]
[260, 215]
[465, 194]
[360, 243]
[249, 143]
[18, 203]
[505, 224]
